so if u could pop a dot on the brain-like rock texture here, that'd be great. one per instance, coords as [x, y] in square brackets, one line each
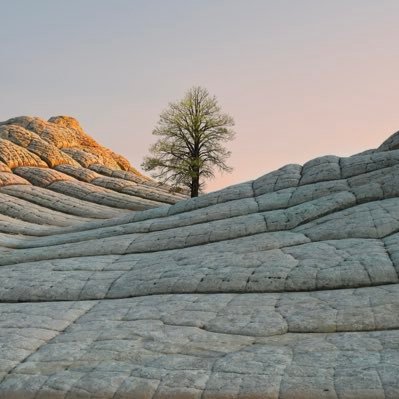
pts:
[114, 287]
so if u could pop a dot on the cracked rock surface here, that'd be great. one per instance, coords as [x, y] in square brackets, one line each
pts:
[285, 287]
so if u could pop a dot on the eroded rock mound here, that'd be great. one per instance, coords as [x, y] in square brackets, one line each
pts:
[282, 287]
[59, 156]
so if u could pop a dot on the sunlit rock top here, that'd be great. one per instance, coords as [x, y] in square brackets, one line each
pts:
[59, 156]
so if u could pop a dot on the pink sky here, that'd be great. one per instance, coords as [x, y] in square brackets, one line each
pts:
[301, 79]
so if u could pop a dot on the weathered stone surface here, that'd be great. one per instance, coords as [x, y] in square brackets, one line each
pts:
[14, 156]
[10, 179]
[48, 152]
[32, 148]
[48, 199]
[283, 287]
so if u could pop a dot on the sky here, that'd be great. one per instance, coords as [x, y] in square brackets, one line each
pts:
[300, 78]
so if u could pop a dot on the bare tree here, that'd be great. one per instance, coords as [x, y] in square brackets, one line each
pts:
[192, 132]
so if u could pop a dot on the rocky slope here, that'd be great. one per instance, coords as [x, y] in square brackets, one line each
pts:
[281, 287]
[56, 165]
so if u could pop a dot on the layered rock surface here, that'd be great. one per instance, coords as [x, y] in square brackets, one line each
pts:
[112, 287]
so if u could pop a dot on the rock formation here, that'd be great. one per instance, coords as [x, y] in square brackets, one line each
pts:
[112, 287]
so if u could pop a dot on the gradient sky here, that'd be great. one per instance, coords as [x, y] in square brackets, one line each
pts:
[302, 78]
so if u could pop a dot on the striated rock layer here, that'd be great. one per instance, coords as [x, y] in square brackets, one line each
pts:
[60, 162]
[112, 287]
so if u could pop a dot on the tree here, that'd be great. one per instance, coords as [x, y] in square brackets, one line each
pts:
[192, 132]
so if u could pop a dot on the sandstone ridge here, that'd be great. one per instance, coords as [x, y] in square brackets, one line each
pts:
[56, 158]
[112, 287]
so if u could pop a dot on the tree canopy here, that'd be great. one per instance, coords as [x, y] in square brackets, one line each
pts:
[192, 132]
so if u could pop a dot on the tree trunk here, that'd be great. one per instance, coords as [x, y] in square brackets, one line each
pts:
[195, 186]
